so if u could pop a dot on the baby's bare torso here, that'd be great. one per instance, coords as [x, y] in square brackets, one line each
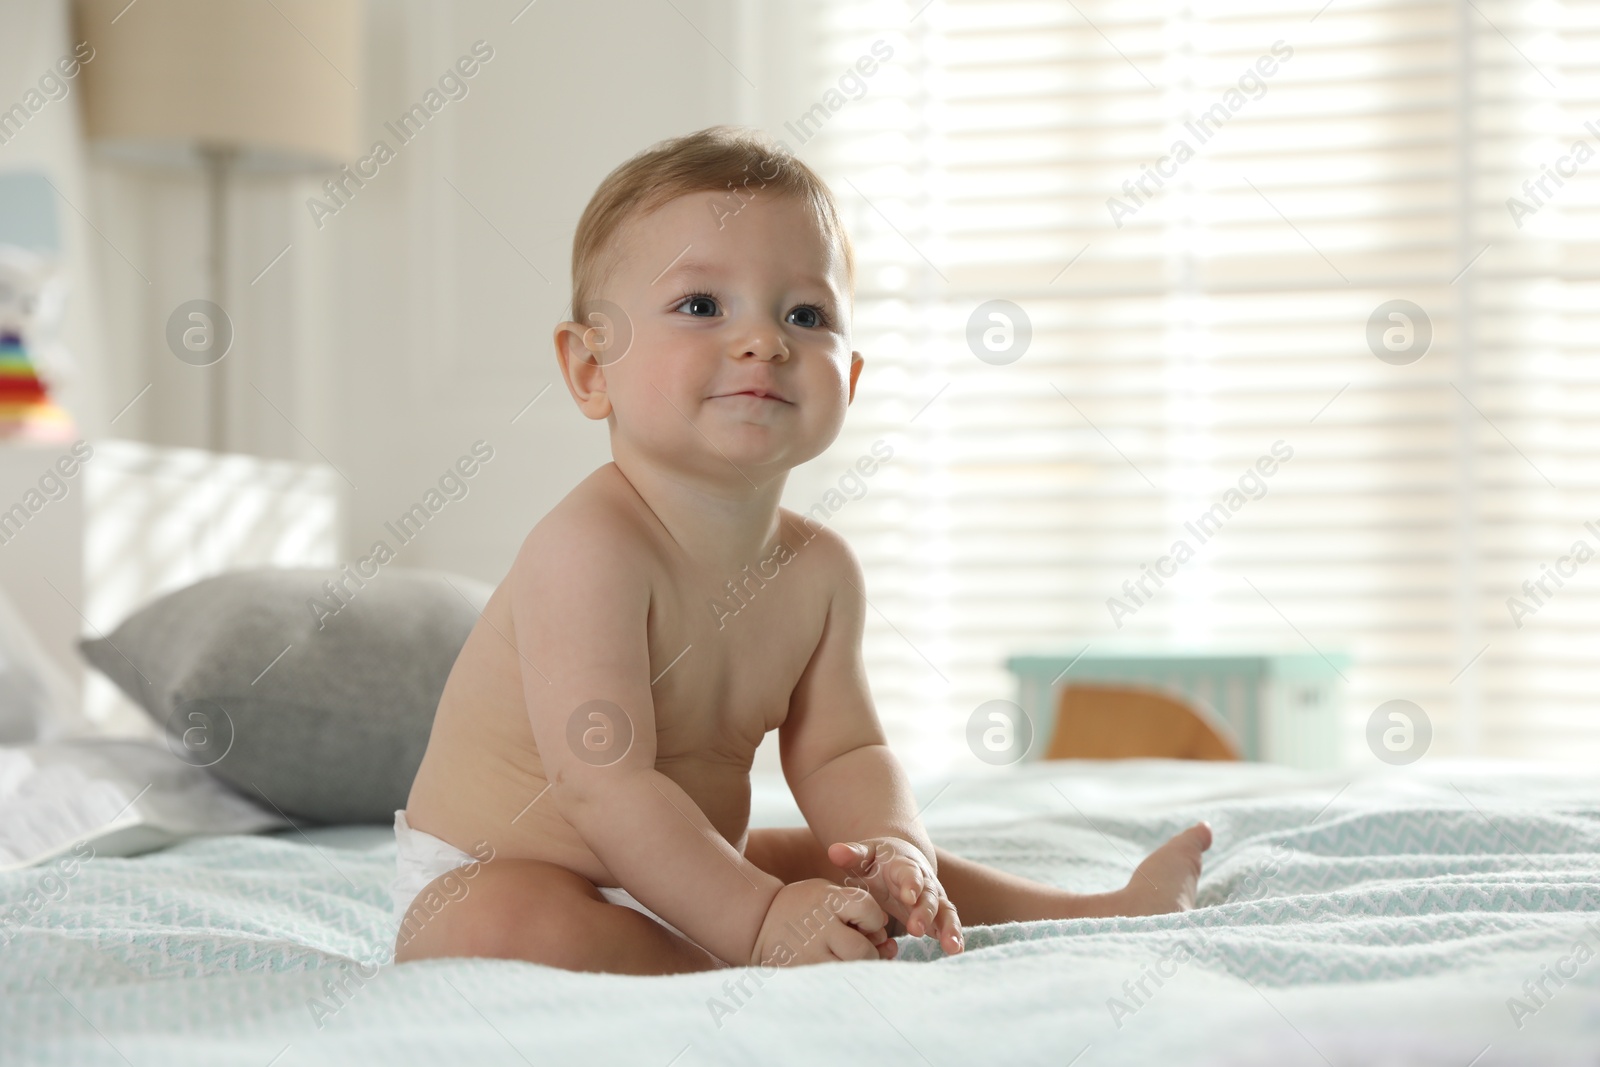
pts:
[726, 675]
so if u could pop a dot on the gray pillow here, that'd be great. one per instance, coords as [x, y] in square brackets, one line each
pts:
[323, 711]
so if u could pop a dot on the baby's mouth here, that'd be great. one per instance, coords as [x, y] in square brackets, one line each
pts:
[758, 394]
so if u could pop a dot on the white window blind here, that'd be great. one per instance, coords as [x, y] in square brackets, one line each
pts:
[1226, 313]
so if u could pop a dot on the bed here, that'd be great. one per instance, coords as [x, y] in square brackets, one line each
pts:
[1440, 916]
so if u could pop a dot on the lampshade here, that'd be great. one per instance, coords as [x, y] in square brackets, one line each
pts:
[274, 81]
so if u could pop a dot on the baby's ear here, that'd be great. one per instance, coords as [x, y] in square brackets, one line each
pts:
[582, 369]
[856, 363]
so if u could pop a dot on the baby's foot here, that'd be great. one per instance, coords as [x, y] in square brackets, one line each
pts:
[1165, 881]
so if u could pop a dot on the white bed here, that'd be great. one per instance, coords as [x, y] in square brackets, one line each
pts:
[1386, 919]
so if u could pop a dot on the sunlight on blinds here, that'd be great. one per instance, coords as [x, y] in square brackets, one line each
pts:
[1309, 303]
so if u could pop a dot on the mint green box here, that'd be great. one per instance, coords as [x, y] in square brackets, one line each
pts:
[1278, 708]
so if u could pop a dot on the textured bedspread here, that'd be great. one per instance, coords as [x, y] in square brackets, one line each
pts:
[1451, 918]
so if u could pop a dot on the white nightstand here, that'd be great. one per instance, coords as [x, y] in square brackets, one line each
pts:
[41, 556]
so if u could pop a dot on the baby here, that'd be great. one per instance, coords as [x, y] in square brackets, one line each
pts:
[593, 745]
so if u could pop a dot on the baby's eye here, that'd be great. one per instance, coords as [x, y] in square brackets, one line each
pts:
[811, 316]
[707, 304]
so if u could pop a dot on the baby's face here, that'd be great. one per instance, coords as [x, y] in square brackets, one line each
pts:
[740, 353]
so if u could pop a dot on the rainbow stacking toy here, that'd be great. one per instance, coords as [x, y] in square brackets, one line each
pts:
[26, 410]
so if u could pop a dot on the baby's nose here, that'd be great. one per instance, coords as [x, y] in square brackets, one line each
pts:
[769, 347]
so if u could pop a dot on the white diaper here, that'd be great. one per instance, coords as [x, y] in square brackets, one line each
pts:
[421, 857]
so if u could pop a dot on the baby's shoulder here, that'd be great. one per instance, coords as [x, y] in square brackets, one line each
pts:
[594, 529]
[823, 549]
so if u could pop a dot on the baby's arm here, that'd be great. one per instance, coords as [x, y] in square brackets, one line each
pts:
[580, 605]
[847, 783]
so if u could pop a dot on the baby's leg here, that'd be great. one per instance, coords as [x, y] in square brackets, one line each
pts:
[983, 896]
[544, 913]
[1164, 882]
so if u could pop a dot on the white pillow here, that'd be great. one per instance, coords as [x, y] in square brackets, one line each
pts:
[121, 797]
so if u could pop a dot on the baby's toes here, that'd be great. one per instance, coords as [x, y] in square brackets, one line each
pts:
[947, 928]
[906, 878]
[848, 855]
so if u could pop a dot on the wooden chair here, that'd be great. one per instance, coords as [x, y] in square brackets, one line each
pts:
[1097, 721]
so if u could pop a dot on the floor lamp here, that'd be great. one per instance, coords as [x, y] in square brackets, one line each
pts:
[242, 85]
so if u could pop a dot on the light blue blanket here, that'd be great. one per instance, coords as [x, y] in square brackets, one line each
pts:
[1448, 918]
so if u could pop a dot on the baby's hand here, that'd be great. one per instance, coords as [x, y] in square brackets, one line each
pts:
[815, 921]
[899, 877]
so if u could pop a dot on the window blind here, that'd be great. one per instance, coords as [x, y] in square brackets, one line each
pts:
[1205, 214]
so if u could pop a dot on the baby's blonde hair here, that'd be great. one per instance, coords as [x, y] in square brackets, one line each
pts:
[737, 161]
